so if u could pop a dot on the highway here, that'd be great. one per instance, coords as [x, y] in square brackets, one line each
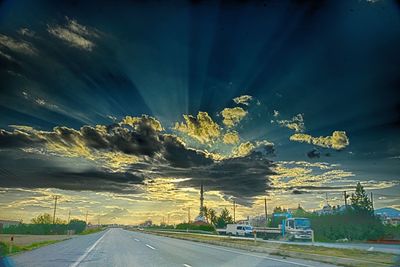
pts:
[118, 247]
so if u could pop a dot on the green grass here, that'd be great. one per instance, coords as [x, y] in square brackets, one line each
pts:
[5, 248]
[91, 231]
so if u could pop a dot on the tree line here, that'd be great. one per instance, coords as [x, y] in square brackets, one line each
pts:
[356, 222]
[43, 225]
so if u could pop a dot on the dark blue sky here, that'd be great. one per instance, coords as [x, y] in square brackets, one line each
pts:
[337, 63]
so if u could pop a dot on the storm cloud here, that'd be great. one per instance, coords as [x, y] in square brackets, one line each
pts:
[136, 151]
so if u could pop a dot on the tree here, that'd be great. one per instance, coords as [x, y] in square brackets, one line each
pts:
[77, 225]
[44, 218]
[300, 212]
[212, 214]
[224, 218]
[360, 201]
[205, 213]
[279, 210]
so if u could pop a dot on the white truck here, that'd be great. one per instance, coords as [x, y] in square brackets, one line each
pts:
[239, 229]
[291, 229]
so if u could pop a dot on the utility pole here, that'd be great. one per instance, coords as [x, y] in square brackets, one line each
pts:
[372, 201]
[345, 198]
[234, 211]
[189, 215]
[55, 207]
[168, 219]
[86, 217]
[69, 216]
[266, 211]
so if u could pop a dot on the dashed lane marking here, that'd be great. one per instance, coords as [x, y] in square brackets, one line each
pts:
[81, 258]
[149, 246]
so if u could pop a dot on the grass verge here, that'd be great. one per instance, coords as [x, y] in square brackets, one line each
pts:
[5, 247]
[342, 257]
[91, 231]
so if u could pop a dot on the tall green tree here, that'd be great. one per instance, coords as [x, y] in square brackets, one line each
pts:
[360, 201]
[224, 218]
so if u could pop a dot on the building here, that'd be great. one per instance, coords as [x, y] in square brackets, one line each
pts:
[389, 216]
[201, 218]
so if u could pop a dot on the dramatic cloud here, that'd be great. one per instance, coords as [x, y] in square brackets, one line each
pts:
[233, 116]
[120, 157]
[75, 34]
[303, 175]
[296, 123]
[244, 99]
[18, 139]
[243, 149]
[338, 140]
[22, 47]
[242, 178]
[44, 172]
[137, 121]
[201, 128]
[231, 138]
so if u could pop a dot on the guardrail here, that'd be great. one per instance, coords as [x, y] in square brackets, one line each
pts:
[180, 231]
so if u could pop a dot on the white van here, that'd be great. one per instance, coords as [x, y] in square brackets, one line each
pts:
[239, 229]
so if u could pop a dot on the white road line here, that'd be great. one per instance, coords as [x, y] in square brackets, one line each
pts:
[149, 246]
[137, 240]
[254, 255]
[81, 258]
[187, 265]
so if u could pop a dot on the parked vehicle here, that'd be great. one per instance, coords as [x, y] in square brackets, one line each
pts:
[290, 229]
[297, 229]
[239, 229]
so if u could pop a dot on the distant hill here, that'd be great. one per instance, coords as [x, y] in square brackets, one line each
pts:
[390, 212]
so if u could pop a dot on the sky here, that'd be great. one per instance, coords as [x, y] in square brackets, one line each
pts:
[124, 109]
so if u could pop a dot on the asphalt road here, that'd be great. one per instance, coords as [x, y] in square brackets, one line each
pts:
[117, 247]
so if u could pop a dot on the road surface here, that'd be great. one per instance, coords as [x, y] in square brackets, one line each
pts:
[118, 247]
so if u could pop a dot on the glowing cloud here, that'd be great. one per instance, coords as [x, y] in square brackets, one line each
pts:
[202, 128]
[338, 140]
[231, 138]
[233, 116]
[75, 34]
[17, 46]
[244, 99]
[243, 149]
[296, 123]
[136, 121]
